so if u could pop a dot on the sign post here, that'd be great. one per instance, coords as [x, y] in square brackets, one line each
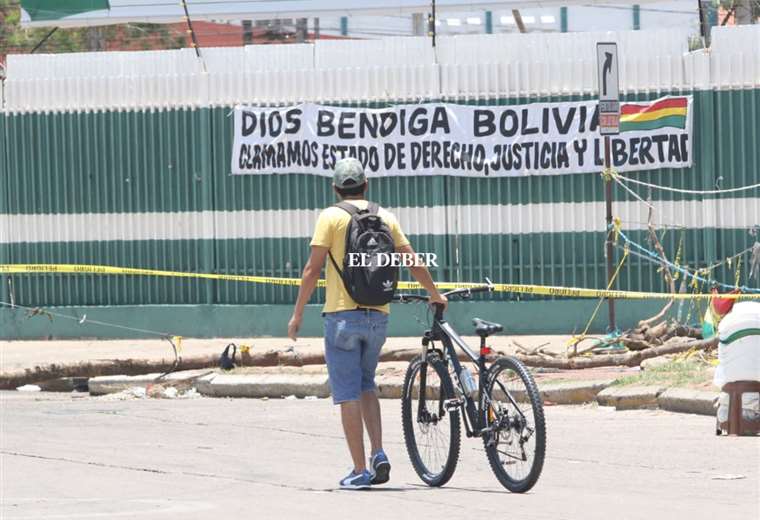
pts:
[609, 124]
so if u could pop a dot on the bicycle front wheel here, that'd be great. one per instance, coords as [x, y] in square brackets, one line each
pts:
[513, 410]
[432, 434]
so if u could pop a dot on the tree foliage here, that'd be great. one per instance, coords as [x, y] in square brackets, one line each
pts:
[15, 39]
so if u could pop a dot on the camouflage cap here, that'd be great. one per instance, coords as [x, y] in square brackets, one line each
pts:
[348, 173]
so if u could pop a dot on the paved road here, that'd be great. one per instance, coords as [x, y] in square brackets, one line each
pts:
[66, 457]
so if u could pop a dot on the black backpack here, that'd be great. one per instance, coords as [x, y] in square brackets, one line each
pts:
[225, 361]
[367, 233]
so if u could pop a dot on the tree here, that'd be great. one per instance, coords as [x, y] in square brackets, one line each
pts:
[18, 40]
[744, 11]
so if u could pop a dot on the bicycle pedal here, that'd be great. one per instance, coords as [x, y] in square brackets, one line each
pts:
[451, 405]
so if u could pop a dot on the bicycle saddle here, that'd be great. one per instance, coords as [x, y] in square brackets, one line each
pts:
[485, 328]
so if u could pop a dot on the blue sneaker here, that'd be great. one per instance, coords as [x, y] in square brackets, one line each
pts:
[362, 480]
[380, 468]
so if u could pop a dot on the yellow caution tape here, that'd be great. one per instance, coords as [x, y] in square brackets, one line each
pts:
[535, 290]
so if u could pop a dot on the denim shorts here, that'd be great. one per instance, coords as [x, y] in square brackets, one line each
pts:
[353, 340]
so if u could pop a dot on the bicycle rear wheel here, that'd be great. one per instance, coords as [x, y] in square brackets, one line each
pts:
[431, 433]
[512, 407]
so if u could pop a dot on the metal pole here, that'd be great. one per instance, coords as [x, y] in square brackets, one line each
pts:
[608, 202]
[432, 26]
[519, 21]
[42, 41]
[247, 32]
[192, 36]
[302, 25]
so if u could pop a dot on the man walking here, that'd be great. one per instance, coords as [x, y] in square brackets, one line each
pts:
[354, 333]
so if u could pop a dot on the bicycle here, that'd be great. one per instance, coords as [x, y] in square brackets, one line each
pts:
[504, 407]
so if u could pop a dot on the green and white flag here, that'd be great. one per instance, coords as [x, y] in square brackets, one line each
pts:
[46, 11]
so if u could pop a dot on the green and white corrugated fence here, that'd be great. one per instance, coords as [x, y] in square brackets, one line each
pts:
[141, 181]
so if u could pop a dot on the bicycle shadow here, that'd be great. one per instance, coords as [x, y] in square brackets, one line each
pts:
[472, 490]
[423, 488]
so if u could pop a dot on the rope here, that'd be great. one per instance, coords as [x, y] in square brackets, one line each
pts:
[652, 256]
[620, 178]
[738, 274]
[174, 341]
[577, 339]
[731, 258]
[33, 311]
[633, 193]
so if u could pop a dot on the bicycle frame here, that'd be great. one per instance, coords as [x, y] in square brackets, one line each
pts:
[486, 412]
[443, 331]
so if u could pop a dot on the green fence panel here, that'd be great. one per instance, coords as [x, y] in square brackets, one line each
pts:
[141, 163]
[171, 168]
[4, 176]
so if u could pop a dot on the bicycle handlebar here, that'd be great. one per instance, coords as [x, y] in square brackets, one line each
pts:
[465, 292]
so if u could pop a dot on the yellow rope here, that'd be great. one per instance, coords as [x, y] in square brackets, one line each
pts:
[737, 277]
[608, 174]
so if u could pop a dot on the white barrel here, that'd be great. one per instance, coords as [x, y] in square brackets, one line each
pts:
[739, 347]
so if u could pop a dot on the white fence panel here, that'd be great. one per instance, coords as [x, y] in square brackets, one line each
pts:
[332, 54]
[392, 69]
[735, 55]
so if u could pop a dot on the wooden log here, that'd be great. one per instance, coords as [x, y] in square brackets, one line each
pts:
[635, 342]
[656, 331]
[630, 359]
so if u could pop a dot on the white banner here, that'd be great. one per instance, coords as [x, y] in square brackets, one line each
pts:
[463, 140]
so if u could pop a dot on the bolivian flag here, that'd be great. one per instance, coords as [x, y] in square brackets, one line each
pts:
[653, 115]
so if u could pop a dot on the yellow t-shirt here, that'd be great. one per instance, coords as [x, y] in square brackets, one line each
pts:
[330, 231]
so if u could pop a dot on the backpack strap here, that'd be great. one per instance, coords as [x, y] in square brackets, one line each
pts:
[335, 264]
[372, 208]
[348, 207]
[351, 210]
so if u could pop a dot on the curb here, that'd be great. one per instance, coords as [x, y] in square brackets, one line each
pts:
[575, 392]
[302, 385]
[277, 385]
[630, 397]
[103, 385]
[263, 385]
[684, 400]
[64, 384]
[389, 387]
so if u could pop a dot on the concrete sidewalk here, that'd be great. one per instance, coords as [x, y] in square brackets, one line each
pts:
[21, 355]
[23, 362]
[118, 365]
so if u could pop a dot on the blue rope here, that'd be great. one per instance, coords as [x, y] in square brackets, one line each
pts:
[655, 257]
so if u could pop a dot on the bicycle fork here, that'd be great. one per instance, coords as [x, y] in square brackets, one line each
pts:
[422, 413]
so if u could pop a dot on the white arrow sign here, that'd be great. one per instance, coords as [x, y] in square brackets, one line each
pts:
[607, 65]
[609, 89]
